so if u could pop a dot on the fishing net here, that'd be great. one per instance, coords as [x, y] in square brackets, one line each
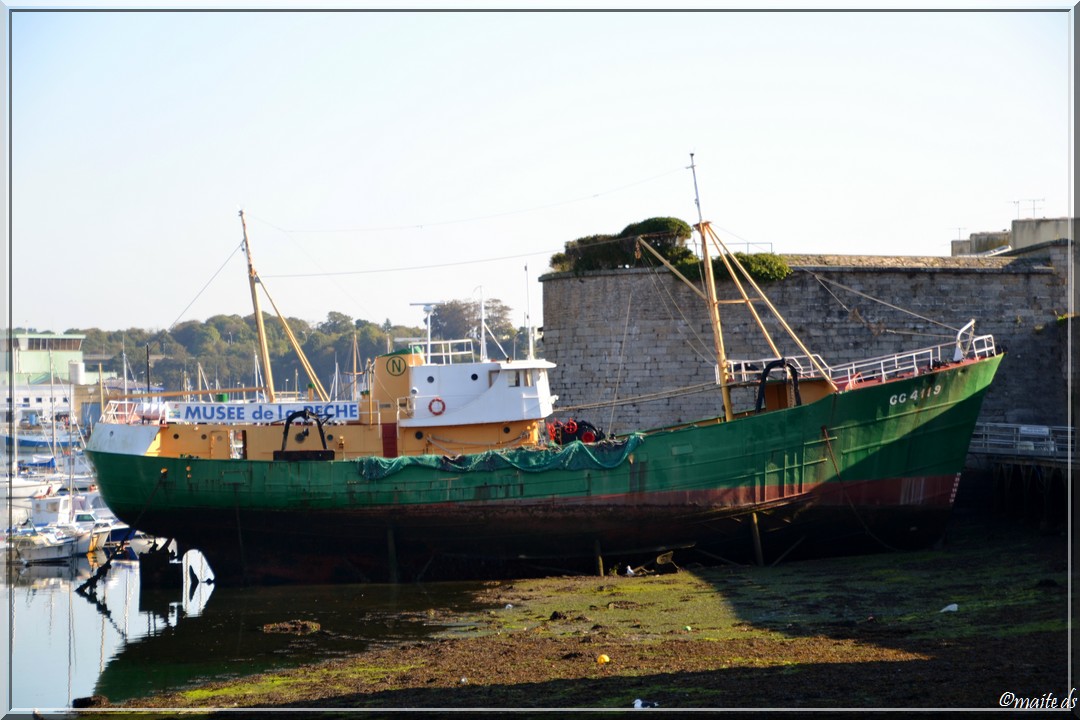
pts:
[573, 456]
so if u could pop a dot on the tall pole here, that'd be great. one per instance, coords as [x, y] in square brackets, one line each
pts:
[483, 328]
[528, 316]
[264, 351]
[714, 305]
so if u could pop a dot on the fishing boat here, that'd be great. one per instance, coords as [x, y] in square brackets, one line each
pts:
[450, 466]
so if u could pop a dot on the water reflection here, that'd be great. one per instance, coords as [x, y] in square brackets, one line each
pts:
[125, 641]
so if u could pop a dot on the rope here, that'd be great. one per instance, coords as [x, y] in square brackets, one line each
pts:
[93, 581]
[446, 451]
[622, 359]
[654, 276]
[487, 216]
[843, 489]
[829, 290]
[662, 395]
[235, 250]
[874, 299]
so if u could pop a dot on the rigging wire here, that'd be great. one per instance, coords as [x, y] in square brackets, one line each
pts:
[622, 358]
[698, 346]
[490, 216]
[874, 299]
[695, 343]
[303, 248]
[235, 250]
[647, 397]
[592, 196]
[414, 267]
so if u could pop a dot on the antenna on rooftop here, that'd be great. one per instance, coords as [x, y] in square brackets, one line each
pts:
[1033, 202]
[429, 307]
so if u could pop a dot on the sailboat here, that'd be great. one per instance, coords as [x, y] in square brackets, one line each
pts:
[448, 466]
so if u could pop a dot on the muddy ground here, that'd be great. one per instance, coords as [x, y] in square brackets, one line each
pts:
[978, 622]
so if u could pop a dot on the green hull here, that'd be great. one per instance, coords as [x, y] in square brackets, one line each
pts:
[875, 458]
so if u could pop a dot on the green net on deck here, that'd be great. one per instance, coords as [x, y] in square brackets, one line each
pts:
[573, 456]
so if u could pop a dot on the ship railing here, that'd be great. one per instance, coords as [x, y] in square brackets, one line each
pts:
[447, 352]
[121, 412]
[885, 367]
[1045, 441]
[749, 371]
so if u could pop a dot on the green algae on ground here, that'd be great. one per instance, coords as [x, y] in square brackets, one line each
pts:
[333, 678]
[644, 607]
[801, 634]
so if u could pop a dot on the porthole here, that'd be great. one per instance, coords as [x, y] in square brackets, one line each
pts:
[176, 436]
[430, 379]
[419, 435]
[475, 377]
[506, 429]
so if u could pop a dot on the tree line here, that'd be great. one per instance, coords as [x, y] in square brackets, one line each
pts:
[221, 351]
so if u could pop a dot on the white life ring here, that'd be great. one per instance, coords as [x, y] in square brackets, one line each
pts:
[436, 406]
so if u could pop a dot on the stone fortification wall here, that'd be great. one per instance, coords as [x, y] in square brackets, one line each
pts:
[638, 336]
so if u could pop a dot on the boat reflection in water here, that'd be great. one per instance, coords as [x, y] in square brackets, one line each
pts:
[230, 636]
[62, 638]
[123, 640]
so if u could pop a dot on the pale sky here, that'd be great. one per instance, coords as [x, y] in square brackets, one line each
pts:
[389, 158]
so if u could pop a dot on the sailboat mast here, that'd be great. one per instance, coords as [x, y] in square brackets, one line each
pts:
[261, 329]
[354, 371]
[714, 305]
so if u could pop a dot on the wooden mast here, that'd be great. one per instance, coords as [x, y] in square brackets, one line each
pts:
[318, 387]
[714, 305]
[772, 308]
[264, 351]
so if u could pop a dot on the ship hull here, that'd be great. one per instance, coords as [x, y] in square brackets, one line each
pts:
[872, 466]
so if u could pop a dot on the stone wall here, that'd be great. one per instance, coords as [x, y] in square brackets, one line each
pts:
[639, 337]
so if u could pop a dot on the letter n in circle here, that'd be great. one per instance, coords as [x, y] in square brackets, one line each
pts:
[395, 366]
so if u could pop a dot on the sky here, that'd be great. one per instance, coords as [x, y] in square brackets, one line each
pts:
[388, 159]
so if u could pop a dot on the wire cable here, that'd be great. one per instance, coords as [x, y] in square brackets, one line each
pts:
[491, 216]
[235, 250]
[874, 299]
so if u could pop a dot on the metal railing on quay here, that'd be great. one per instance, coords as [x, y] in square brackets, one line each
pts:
[1056, 442]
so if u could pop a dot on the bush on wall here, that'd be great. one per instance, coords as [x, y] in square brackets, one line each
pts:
[668, 236]
[606, 252]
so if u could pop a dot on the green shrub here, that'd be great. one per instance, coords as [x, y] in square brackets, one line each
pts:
[605, 252]
[668, 236]
[763, 267]
[659, 226]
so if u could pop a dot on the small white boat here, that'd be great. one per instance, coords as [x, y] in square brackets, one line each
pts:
[31, 545]
[72, 516]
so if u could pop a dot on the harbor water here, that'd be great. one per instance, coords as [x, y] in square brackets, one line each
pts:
[124, 641]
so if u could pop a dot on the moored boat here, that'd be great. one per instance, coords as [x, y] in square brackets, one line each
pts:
[70, 515]
[20, 489]
[31, 545]
[453, 468]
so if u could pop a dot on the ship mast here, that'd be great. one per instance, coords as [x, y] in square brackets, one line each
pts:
[264, 351]
[732, 264]
[714, 304]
